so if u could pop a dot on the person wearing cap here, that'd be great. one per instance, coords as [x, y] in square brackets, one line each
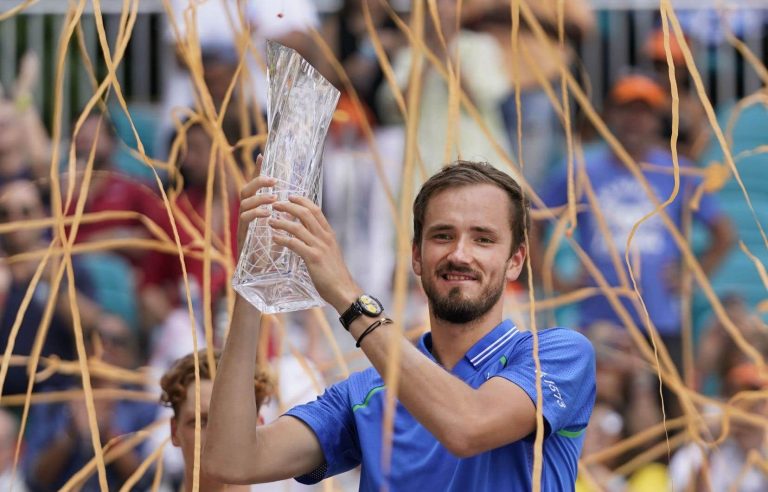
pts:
[634, 115]
[694, 132]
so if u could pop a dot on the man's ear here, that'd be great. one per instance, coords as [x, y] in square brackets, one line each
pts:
[174, 428]
[516, 263]
[416, 258]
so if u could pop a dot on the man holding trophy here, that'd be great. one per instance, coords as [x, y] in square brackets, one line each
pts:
[467, 393]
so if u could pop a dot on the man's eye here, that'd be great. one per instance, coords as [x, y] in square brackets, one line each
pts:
[442, 237]
[485, 240]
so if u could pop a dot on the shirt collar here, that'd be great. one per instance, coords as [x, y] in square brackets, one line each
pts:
[483, 349]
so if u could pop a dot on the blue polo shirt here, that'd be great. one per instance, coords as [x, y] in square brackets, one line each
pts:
[347, 420]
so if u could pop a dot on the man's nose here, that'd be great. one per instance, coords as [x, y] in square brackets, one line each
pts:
[461, 251]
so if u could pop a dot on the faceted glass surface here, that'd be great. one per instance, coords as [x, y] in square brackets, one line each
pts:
[301, 103]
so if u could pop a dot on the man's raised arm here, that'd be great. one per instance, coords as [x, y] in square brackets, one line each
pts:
[235, 449]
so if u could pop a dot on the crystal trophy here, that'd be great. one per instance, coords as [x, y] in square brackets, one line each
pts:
[299, 109]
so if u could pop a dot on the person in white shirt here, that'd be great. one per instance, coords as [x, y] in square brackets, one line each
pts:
[9, 432]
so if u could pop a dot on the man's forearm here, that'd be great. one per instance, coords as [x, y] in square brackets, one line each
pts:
[233, 412]
[423, 387]
[449, 408]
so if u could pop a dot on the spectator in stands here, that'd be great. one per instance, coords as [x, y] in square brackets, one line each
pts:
[59, 436]
[624, 382]
[718, 353]
[9, 433]
[25, 149]
[296, 381]
[543, 141]
[178, 385]
[23, 246]
[482, 78]
[627, 404]
[633, 114]
[357, 53]
[694, 132]
[287, 22]
[112, 191]
[162, 290]
[118, 344]
[735, 463]
[13, 164]
[606, 428]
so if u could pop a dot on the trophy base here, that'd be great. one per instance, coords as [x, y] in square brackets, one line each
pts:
[276, 293]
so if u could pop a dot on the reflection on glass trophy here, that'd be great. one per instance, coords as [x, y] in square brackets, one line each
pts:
[301, 103]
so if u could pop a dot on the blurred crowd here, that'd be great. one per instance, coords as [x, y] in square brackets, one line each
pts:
[612, 214]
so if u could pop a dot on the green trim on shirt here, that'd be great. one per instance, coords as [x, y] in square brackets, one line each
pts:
[571, 434]
[368, 397]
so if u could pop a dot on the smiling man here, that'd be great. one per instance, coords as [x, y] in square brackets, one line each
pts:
[466, 395]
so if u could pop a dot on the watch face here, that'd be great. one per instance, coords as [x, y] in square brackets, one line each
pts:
[370, 305]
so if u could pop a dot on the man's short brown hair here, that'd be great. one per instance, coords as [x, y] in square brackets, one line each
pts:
[175, 381]
[466, 173]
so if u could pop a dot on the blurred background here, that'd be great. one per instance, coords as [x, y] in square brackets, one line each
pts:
[126, 123]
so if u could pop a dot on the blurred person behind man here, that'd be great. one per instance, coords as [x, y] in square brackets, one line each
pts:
[725, 466]
[626, 404]
[287, 22]
[543, 134]
[9, 433]
[357, 54]
[59, 436]
[273, 393]
[13, 164]
[606, 428]
[111, 190]
[481, 77]
[694, 133]
[634, 115]
[20, 202]
[162, 288]
[717, 354]
[25, 148]
[178, 393]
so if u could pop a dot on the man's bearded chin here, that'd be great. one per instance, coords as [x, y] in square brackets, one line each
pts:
[456, 309]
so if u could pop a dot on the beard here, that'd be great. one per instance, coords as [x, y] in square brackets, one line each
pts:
[454, 307]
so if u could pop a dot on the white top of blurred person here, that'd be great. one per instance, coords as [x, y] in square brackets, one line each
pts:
[9, 430]
[284, 21]
[269, 20]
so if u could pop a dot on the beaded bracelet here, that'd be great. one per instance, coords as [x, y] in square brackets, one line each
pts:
[373, 326]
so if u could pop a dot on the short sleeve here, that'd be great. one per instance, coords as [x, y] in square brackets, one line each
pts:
[568, 377]
[330, 418]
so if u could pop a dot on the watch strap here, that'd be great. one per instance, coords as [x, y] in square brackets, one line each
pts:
[350, 315]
